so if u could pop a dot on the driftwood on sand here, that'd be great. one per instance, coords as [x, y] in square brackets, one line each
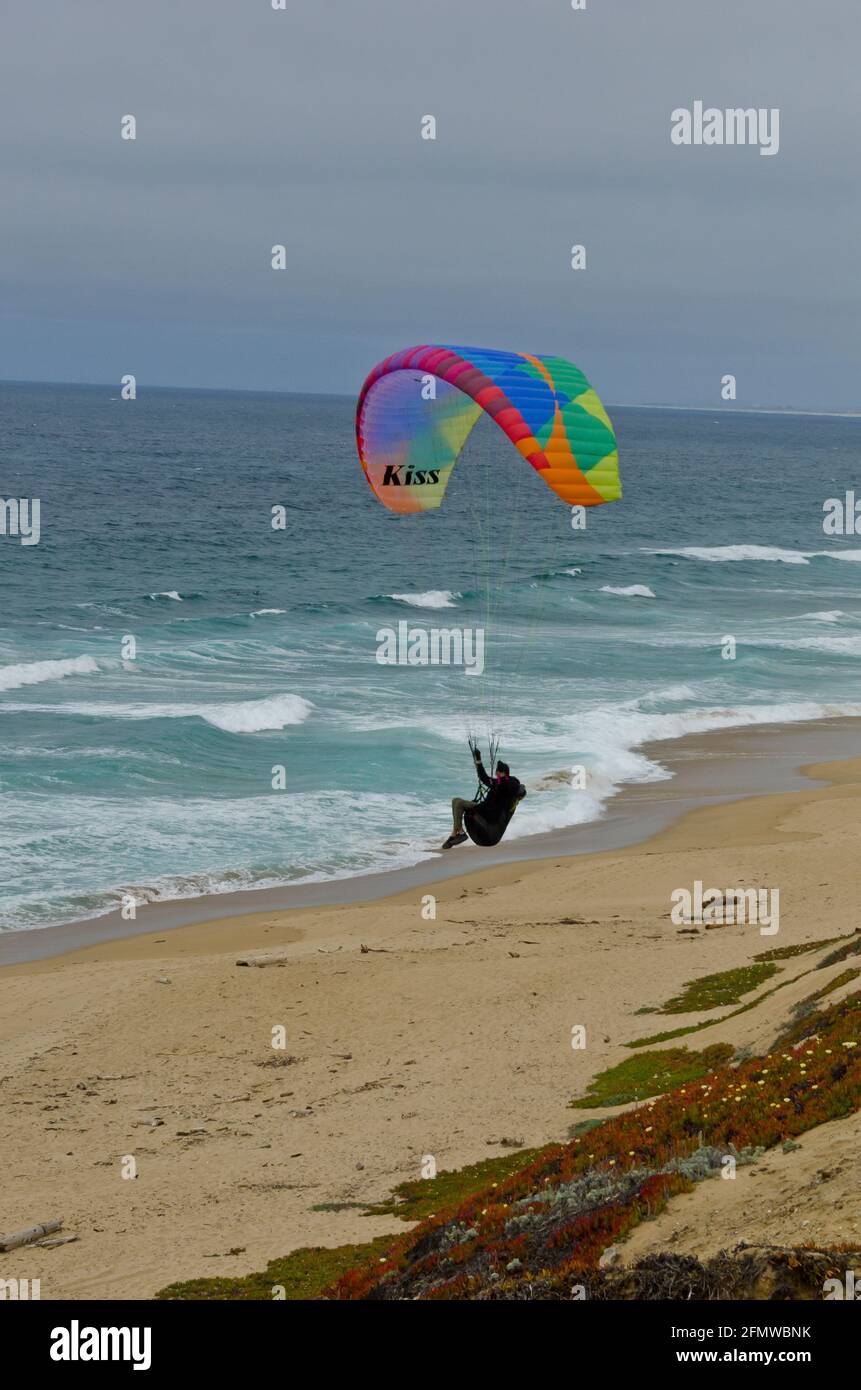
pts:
[30, 1234]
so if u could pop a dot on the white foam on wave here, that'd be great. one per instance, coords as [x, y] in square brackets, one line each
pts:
[35, 672]
[105, 608]
[830, 615]
[609, 740]
[237, 717]
[432, 598]
[168, 593]
[259, 612]
[724, 554]
[680, 691]
[254, 716]
[628, 591]
[629, 726]
[849, 645]
[167, 834]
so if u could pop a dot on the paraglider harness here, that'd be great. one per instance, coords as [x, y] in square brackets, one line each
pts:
[479, 830]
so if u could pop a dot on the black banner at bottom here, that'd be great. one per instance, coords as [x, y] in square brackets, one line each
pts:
[63, 1338]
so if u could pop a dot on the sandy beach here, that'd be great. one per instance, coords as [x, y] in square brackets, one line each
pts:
[407, 1035]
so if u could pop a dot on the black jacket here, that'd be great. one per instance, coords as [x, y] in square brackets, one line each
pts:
[502, 796]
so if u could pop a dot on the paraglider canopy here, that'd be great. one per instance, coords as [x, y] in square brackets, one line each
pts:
[417, 408]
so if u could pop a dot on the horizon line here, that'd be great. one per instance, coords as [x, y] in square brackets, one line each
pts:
[343, 395]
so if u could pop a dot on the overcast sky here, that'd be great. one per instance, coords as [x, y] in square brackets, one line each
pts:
[257, 126]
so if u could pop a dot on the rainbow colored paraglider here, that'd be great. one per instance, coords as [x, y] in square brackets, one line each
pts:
[417, 408]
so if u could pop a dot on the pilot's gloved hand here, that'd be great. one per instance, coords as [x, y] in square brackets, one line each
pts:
[476, 753]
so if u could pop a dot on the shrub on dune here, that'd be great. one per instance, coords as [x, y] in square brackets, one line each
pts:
[550, 1220]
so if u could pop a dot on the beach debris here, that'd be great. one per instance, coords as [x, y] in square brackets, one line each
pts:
[507, 1143]
[55, 1240]
[515, 955]
[29, 1235]
[610, 1258]
[373, 950]
[260, 961]
[289, 1059]
[162, 980]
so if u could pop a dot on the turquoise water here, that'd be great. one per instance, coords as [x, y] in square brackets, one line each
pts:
[256, 648]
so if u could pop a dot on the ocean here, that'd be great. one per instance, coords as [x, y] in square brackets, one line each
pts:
[250, 737]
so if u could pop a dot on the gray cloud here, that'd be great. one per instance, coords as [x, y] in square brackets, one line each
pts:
[302, 127]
